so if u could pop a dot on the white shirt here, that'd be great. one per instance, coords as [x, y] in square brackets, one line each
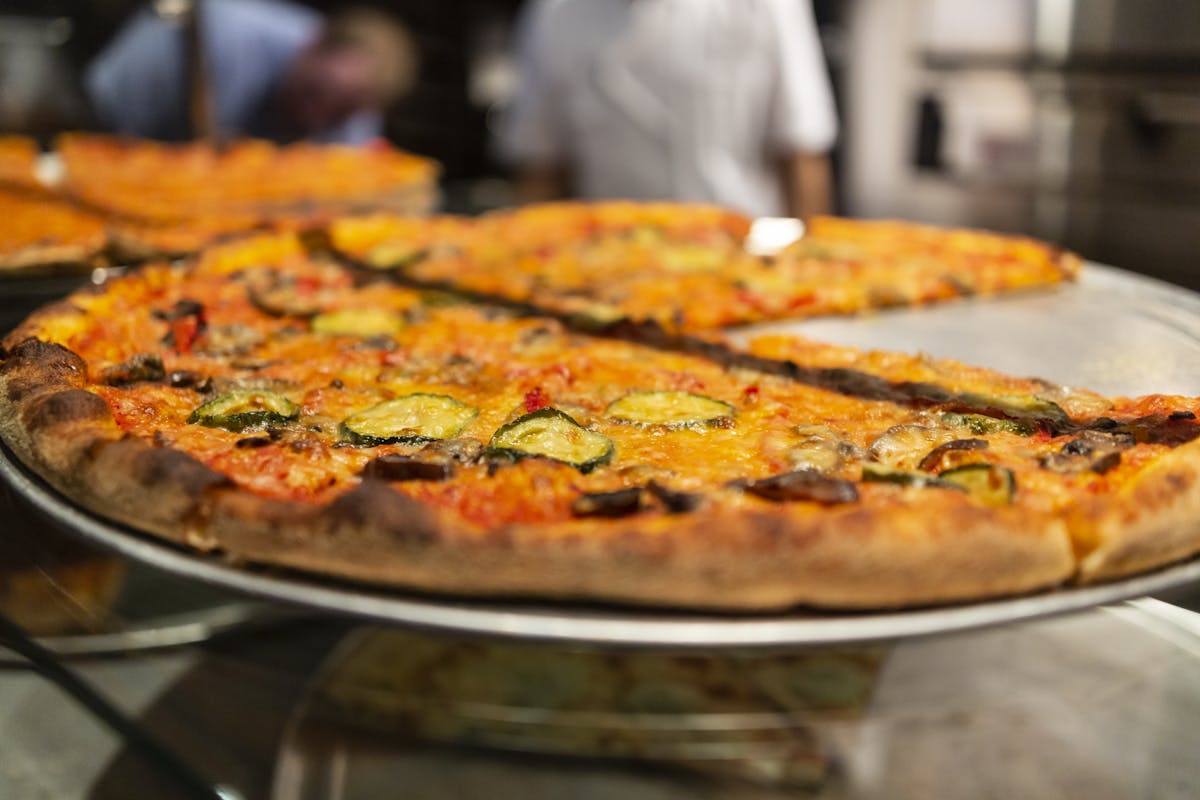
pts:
[671, 99]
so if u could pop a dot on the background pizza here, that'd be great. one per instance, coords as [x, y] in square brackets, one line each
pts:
[685, 269]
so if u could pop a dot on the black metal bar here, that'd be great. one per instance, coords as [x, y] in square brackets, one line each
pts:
[155, 752]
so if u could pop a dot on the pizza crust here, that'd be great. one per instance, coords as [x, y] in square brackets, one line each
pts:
[1153, 519]
[50, 258]
[752, 560]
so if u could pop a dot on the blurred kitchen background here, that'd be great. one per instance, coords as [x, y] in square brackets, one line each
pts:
[1077, 121]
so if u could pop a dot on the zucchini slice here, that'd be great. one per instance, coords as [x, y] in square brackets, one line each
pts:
[980, 424]
[596, 316]
[881, 473]
[693, 258]
[673, 409]
[549, 433]
[243, 409]
[412, 419]
[1022, 407]
[396, 255]
[364, 322]
[989, 484]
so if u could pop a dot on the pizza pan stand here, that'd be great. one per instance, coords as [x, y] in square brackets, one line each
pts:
[1114, 332]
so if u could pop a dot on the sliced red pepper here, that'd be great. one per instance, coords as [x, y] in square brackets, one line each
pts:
[535, 398]
[184, 333]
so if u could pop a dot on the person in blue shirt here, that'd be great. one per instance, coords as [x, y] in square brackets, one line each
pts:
[276, 70]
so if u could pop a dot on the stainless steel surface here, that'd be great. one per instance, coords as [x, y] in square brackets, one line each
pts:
[1114, 332]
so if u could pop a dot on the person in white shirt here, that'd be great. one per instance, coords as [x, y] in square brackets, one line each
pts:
[722, 101]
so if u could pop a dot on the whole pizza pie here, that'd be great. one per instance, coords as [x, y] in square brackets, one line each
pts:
[297, 408]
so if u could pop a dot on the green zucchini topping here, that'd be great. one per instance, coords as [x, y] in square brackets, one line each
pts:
[693, 258]
[980, 424]
[987, 483]
[412, 419]
[595, 316]
[549, 433]
[364, 322]
[881, 473]
[245, 409]
[672, 409]
[1027, 407]
[395, 255]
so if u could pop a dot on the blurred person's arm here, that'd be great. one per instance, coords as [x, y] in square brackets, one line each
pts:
[804, 123]
[808, 184]
[530, 135]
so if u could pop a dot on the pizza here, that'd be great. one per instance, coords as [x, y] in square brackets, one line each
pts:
[18, 160]
[125, 201]
[685, 268]
[245, 184]
[39, 230]
[276, 406]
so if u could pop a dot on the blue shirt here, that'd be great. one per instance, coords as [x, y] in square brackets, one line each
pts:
[139, 84]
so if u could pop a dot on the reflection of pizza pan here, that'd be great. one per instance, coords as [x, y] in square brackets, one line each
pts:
[1048, 709]
[1113, 332]
[730, 715]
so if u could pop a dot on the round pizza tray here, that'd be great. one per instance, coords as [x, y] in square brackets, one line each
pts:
[1113, 332]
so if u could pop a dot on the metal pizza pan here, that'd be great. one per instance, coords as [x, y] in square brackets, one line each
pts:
[1112, 331]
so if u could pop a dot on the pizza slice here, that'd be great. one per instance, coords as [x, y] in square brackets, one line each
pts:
[18, 160]
[283, 409]
[1124, 471]
[247, 184]
[39, 230]
[853, 265]
[685, 269]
